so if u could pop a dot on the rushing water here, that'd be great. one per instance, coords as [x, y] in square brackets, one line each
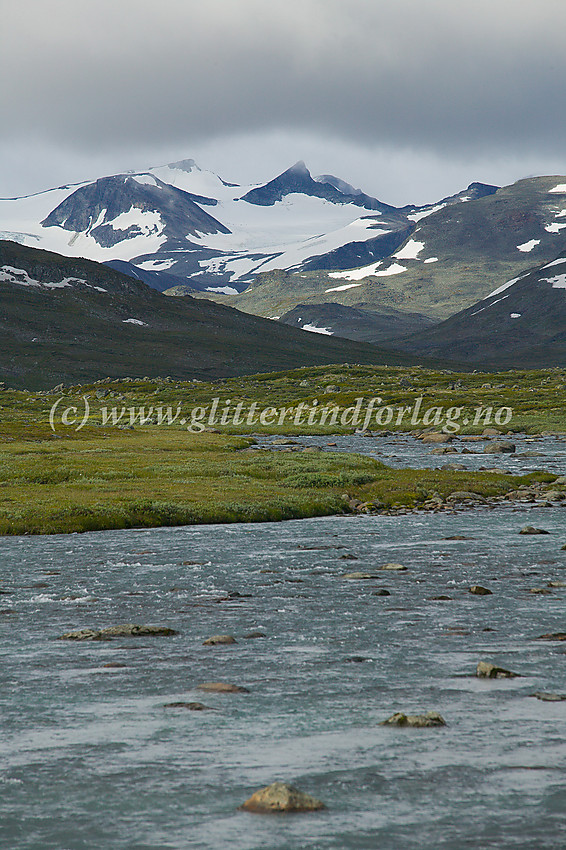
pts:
[91, 759]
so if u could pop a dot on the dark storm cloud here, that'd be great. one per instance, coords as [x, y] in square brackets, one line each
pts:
[443, 75]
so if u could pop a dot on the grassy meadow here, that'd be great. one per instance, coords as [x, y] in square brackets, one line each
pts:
[59, 477]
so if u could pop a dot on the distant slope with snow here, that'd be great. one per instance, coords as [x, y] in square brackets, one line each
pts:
[459, 251]
[70, 320]
[522, 323]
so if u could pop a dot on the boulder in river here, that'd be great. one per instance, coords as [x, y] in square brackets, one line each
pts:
[393, 567]
[124, 630]
[219, 639]
[191, 706]
[222, 688]
[485, 670]
[279, 798]
[417, 721]
[436, 437]
[500, 447]
[553, 636]
[530, 529]
[545, 697]
[478, 590]
[358, 576]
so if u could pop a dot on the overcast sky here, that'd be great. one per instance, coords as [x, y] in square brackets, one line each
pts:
[408, 99]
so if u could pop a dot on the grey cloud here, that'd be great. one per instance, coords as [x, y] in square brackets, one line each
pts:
[443, 74]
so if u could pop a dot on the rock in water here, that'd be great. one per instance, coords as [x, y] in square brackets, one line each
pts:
[530, 529]
[393, 567]
[500, 447]
[549, 697]
[280, 797]
[417, 721]
[478, 590]
[356, 576]
[125, 630]
[222, 688]
[219, 639]
[485, 670]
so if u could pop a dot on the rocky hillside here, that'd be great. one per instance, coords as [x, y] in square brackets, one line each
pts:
[72, 320]
[521, 324]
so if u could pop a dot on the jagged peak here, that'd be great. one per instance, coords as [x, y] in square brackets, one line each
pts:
[299, 168]
[338, 183]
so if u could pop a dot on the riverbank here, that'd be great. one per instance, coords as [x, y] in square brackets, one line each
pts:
[156, 477]
[140, 453]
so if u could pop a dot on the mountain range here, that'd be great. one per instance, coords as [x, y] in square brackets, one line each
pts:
[317, 253]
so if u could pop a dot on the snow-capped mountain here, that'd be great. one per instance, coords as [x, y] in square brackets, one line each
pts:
[522, 323]
[458, 252]
[206, 233]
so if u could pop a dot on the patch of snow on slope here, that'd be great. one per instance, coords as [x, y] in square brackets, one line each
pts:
[559, 262]
[424, 213]
[368, 271]
[9, 274]
[410, 251]
[156, 265]
[134, 322]
[145, 179]
[504, 286]
[558, 282]
[343, 287]
[431, 260]
[314, 329]
[493, 303]
[148, 221]
[528, 246]
[224, 290]
[515, 315]
[554, 227]
[560, 189]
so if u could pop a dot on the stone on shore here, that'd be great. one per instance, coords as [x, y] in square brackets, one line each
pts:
[485, 670]
[416, 721]
[280, 797]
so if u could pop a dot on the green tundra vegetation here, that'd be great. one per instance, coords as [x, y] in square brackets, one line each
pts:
[57, 477]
